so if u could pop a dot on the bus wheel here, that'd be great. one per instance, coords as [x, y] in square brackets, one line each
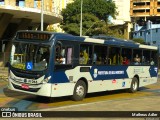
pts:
[79, 91]
[134, 85]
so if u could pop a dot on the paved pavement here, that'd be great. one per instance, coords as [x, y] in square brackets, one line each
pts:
[3, 73]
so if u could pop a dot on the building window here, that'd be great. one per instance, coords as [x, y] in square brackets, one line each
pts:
[156, 30]
[140, 33]
[154, 42]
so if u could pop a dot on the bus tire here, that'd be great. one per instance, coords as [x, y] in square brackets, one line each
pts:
[134, 85]
[79, 91]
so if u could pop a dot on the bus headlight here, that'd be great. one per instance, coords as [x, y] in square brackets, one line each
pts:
[47, 79]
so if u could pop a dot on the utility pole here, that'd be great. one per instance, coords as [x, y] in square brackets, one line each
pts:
[42, 8]
[145, 12]
[81, 18]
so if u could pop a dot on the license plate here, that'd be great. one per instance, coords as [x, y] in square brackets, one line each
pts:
[24, 86]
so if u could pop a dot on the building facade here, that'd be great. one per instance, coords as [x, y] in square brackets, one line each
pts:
[23, 15]
[58, 6]
[123, 8]
[122, 20]
[144, 10]
[150, 33]
[145, 14]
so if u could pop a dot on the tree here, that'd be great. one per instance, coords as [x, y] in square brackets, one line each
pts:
[93, 12]
[73, 26]
[139, 40]
[51, 28]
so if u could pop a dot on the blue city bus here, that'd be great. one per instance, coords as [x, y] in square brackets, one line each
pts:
[58, 64]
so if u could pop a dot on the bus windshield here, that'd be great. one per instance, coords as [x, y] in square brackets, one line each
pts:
[28, 56]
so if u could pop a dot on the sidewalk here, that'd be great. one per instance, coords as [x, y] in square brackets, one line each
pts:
[3, 72]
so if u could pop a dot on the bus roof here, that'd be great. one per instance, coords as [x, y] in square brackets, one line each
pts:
[96, 39]
[109, 41]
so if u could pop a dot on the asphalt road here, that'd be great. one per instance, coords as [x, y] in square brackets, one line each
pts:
[25, 102]
[147, 99]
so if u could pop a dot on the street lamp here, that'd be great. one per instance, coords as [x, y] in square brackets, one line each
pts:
[42, 8]
[81, 18]
[92, 26]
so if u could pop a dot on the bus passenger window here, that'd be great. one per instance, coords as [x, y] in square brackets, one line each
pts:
[117, 59]
[83, 58]
[94, 58]
[127, 56]
[99, 60]
[69, 55]
[154, 57]
[125, 61]
[137, 55]
[63, 53]
[101, 54]
[85, 54]
[137, 60]
[107, 61]
[146, 57]
[65, 56]
[151, 62]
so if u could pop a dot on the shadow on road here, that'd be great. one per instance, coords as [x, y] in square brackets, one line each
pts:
[46, 100]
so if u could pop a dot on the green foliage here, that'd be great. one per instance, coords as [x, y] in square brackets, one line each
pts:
[74, 26]
[139, 40]
[51, 28]
[100, 8]
[94, 11]
[105, 29]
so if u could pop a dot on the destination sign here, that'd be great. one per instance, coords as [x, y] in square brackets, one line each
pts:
[33, 36]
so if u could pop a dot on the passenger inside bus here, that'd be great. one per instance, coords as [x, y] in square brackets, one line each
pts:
[117, 59]
[45, 55]
[94, 58]
[83, 59]
[107, 60]
[152, 62]
[86, 57]
[137, 60]
[99, 60]
[60, 60]
[125, 61]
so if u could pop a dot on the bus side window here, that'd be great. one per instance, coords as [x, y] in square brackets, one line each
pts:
[101, 55]
[58, 53]
[65, 56]
[153, 58]
[146, 57]
[127, 56]
[116, 56]
[69, 55]
[85, 54]
[137, 55]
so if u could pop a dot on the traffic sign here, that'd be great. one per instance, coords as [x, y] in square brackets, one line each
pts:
[29, 65]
